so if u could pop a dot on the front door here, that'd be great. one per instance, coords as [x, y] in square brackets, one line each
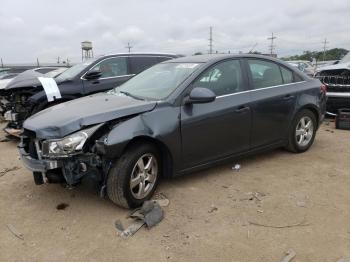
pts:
[220, 128]
[114, 73]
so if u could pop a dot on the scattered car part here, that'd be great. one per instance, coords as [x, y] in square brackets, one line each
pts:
[342, 120]
[290, 255]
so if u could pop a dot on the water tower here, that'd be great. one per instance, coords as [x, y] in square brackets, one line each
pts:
[86, 50]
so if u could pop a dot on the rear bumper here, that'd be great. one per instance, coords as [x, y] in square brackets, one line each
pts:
[37, 165]
[335, 102]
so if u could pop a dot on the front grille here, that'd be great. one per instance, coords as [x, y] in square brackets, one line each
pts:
[336, 80]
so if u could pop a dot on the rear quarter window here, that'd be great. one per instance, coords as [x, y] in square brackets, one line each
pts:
[287, 75]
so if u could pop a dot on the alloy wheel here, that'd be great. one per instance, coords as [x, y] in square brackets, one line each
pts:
[144, 176]
[304, 131]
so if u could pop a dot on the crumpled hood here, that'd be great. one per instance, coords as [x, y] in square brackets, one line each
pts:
[335, 67]
[63, 119]
[28, 78]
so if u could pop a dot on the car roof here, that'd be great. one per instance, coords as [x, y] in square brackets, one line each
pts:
[217, 57]
[142, 53]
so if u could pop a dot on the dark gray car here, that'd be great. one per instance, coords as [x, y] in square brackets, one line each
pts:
[176, 117]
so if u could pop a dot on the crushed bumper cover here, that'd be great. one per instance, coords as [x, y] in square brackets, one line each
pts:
[36, 165]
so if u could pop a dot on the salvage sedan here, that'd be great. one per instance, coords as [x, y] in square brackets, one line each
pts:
[176, 117]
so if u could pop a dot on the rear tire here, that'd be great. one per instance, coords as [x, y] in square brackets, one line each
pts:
[302, 132]
[134, 177]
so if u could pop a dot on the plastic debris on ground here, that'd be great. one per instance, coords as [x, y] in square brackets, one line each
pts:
[149, 214]
[290, 255]
[236, 167]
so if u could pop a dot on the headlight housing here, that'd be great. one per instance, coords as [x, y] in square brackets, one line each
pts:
[68, 145]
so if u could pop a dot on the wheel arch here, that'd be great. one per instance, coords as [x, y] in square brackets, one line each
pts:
[165, 154]
[311, 108]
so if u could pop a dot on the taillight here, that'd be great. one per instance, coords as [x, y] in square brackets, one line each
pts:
[323, 89]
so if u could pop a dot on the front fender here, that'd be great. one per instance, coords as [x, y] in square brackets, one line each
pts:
[161, 125]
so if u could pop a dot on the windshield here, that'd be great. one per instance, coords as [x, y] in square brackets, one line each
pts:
[55, 72]
[73, 71]
[157, 82]
[345, 59]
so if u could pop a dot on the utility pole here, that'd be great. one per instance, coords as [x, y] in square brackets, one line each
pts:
[58, 60]
[325, 42]
[37, 62]
[210, 40]
[128, 47]
[271, 47]
[2, 64]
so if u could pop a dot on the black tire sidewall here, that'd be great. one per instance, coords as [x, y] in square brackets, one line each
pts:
[123, 170]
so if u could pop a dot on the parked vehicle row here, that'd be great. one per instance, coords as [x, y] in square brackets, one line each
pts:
[178, 116]
[26, 94]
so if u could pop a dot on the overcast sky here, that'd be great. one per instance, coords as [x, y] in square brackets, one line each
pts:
[47, 29]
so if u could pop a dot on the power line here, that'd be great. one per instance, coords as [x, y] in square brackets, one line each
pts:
[325, 42]
[272, 46]
[129, 47]
[210, 40]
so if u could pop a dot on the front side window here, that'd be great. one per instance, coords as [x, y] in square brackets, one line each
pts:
[264, 73]
[223, 78]
[112, 67]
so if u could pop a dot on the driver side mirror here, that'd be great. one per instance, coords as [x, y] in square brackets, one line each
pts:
[200, 95]
[93, 74]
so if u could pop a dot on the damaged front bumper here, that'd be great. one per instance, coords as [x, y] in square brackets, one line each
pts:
[69, 169]
[36, 165]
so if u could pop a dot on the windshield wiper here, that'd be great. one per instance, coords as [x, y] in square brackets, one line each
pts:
[133, 96]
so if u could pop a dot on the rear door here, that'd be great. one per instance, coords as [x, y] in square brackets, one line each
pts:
[220, 128]
[115, 71]
[273, 101]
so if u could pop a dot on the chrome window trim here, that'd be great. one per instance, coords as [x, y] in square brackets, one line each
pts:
[264, 88]
[127, 56]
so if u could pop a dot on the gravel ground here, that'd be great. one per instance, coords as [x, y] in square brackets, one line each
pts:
[278, 201]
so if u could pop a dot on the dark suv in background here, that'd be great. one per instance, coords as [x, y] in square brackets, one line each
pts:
[91, 76]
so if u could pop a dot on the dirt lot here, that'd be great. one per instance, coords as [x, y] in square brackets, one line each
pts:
[212, 215]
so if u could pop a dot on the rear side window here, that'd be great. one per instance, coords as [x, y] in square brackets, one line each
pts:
[222, 78]
[141, 63]
[264, 73]
[287, 75]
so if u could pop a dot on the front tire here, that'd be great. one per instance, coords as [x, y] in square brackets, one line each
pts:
[303, 131]
[134, 177]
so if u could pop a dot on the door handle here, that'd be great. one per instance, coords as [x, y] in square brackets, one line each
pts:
[288, 97]
[242, 109]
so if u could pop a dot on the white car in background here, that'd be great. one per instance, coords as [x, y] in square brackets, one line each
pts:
[304, 66]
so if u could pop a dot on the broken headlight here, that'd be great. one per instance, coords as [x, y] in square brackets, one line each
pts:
[68, 145]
